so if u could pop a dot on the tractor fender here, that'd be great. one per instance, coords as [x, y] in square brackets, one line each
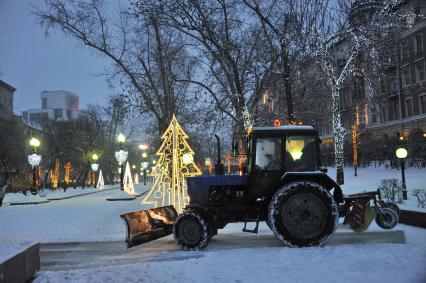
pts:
[315, 176]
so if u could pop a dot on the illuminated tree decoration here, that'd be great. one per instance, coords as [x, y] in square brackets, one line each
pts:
[67, 168]
[175, 163]
[128, 181]
[355, 126]
[54, 175]
[100, 184]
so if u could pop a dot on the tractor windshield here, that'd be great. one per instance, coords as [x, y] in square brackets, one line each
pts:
[300, 153]
[268, 154]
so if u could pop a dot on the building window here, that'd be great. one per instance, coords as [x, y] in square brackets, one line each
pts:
[58, 113]
[383, 114]
[418, 43]
[405, 50]
[420, 71]
[44, 103]
[422, 100]
[408, 107]
[373, 114]
[406, 77]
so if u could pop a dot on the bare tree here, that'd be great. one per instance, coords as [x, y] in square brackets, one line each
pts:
[289, 26]
[233, 61]
[362, 39]
[147, 57]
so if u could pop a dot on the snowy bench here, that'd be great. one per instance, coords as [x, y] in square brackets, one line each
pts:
[421, 197]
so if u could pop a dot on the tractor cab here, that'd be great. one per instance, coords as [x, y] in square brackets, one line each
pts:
[271, 152]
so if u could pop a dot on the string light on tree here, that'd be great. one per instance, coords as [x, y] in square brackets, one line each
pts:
[174, 164]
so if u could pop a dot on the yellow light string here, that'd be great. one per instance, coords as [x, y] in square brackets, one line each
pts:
[169, 186]
[67, 168]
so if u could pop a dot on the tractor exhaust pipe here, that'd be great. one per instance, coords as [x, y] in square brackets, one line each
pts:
[218, 169]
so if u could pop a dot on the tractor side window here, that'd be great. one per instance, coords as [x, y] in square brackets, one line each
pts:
[300, 153]
[268, 154]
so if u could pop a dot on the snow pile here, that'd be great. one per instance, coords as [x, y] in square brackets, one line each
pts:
[21, 198]
[10, 249]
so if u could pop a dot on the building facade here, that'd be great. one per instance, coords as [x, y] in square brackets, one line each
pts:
[57, 105]
[6, 99]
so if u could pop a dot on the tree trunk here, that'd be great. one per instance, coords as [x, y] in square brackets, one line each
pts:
[339, 134]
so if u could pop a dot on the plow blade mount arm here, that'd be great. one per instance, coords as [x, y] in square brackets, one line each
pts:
[147, 225]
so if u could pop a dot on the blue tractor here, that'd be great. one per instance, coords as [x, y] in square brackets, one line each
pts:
[283, 184]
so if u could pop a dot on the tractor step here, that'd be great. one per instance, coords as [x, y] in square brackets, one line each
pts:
[256, 228]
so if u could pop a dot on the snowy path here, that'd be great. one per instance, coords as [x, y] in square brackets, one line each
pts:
[69, 256]
[377, 256]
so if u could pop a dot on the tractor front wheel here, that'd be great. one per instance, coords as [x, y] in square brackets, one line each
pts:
[190, 230]
[303, 214]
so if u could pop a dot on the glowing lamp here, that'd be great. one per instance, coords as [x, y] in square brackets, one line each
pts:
[401, 153]
[121, 138]
[277, 123]
[295, 147]
[187, 158]
[144, 155]
[143, 146]
[401, 138]
[133, 166]
[154, 161]
[95, 156]
[34, 142]
[424, 135]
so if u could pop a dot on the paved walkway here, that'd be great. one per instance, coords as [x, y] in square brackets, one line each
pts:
[69, 256]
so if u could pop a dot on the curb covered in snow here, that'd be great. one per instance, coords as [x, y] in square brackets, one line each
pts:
[74, 196]
[413, 218]
[31, 202]
[22, 266]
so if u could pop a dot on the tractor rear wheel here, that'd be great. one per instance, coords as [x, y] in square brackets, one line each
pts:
[303, 214]
[190, 230]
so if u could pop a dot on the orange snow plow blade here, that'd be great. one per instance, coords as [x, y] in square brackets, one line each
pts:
[147, 225]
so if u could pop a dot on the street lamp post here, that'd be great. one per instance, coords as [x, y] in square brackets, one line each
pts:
[401, 153]
[121, 157]
[95, 167]
[34, 160]
[145, 163]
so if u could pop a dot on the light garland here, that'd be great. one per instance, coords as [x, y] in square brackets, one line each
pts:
[121, 156]
[100, 184]
[171, 169]
[94, 166]
[34, 159]
[128, 181]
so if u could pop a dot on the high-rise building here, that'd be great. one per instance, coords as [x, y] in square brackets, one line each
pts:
[59, 105]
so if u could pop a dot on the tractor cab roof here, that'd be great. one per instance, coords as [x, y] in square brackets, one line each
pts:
[283, 129]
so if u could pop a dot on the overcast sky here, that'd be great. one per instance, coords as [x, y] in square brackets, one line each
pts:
[31, 63]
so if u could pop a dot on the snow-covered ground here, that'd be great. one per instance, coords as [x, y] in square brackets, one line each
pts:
[398, 255]
[369, 178]
[84, 218]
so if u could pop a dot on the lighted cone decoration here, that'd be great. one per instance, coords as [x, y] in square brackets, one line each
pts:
[128, 181]
[136, 178]
[175, 163]
[101, 183]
